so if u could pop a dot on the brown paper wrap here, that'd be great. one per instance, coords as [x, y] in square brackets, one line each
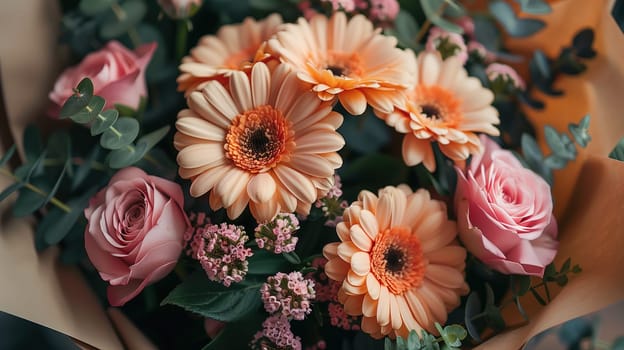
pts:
[588, 194]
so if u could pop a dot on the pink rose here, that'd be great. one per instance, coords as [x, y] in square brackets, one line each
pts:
[504, 213]
[118, 75]
[135, 231]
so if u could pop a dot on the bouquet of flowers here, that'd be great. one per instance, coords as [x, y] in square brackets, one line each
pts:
[305, 174]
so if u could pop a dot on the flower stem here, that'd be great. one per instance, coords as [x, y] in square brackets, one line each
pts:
[55, 201]
[423, 30]
[120, 14]
[181, 38]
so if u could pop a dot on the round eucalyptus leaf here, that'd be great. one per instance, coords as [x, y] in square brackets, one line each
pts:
[94, 7]
[103, 121]
[126, 156]
[120, 134]
[87, 114]
[119, 22]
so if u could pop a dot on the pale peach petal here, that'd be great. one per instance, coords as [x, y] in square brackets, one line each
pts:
[406, 315]
[207, 180]
[355, 280]
[330, 250]
[343, 231]
[232, 185]
[264, 211]
[353, 305]
[383, 307]
[260, 84]
[200, 154]
[240, 89]
[353, 101]
[236, 208]
[200, 128]
[369, 224]
[346, 251]
[261, 188]
[360, 239]
[360, 263]
[447, 277]
[373, 286]
[369, 306]
[395, 314]
[336, 269]
[352, 290]
[299, 185]
[220, 99]
[312, 165]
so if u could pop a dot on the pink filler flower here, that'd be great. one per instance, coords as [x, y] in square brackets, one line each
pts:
[118, 75]
[135, 231]
[504, 213]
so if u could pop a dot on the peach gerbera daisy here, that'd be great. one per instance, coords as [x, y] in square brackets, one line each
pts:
[234, 48]
[266, 142]
[399, 262]
[445, 106]
[346, 59]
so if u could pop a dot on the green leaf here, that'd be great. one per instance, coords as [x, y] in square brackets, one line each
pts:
[126, 156]
[550, 272]
[103, 121]
[536, 7]
[94, 7]
[365, 134]
[267, 5]
[534, 157]
[292, 258]
[150, 140]
[33, 145]
[372, 171]
[580, 131]
[85, 168]
[237, 335]
[7, 156]
[9, 190]
[121, 134]
[26, 171]
[389, 344]
[133, 13]
[521, 309]
[565, 267]
[431, 8]
[209, 299]
[57, 184]
[453, 335]
[56, 224]
[520, 284]
[493, 315]
[79, 100]
[29, 201]
[472, 309]
[554, 161]
[263, 262]
[400, 343]
[618, 151]
[413, 341]
[88, 114]
[538, 297]
[560, 144]
[618, 343]
[515, 26]
[406, 29]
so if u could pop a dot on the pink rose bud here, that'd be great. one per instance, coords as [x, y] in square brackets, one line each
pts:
[504, 213]
[180, 9]
[118, 75]
[384, 10]
[467, 24]
[135, 232]
[448, 43]
[496, 70]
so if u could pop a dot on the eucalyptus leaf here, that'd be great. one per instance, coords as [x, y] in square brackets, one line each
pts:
[94, 7]
[406, 29]
[120, 134]
[33, 145]
[237, 335]
[57, 184]
[267, 5]
[90, 112]
[472, 309]
[28, 201]
[26, 171]
[292, 258]
[9, 190]
[85, 168]
[554, 161]
[365, 134]
[582, 43]
[535, 7]
[150, 140]
[560, 144]
[618, 152]
[7, 155]
[432, 8]
[79, 100]
[103, 121]
[132, 12]
[520, 284]
[126, 156]
[580, 131]
[209, 299]
[56, 224]
[516, 27]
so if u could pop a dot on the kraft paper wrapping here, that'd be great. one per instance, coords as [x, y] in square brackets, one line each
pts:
[588, 194]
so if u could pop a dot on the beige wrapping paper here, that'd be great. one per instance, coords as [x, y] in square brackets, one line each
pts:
[589, 194]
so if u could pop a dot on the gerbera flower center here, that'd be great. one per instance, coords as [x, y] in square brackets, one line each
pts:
[397, 260]
[257, 139]
[344, 64]
[238, 59]
[439, 105]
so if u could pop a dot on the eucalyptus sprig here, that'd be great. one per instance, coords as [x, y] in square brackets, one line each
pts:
[451, 337]
[117, 133]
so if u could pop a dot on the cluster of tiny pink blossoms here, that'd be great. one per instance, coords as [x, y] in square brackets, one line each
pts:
[327, 291]
[276, 333]
[447, 43]
[331, 205]
[221, 251]
[277, 235]
[288, 294]
[375, 10]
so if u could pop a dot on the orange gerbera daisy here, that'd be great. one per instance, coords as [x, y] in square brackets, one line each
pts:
[346, 59]
[267, 142]
[234, 48]
[399, 262]
[445, 106]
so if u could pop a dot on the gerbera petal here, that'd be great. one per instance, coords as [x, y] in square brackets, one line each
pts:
[373, 286]
[383, 307]
[336, 269]
[200, 128]
[260, 84]
[369, 306]
[360, 263]
[207, 180]
[297, 184]
[261, 188]
[241, 91]
[200, 154]
[353, 101]
[220, 99]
